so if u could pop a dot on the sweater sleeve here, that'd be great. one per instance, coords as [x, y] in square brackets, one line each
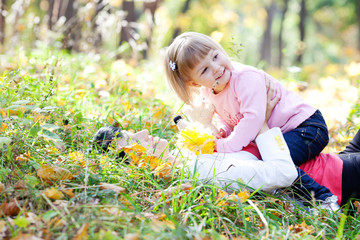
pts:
[250, 90]
[223, 125]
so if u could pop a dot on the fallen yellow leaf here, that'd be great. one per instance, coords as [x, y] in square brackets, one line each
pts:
[68, 192]
[53, 193]
[52, 174]
[82, 232]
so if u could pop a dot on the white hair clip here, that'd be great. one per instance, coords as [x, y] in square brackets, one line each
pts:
[172, 65]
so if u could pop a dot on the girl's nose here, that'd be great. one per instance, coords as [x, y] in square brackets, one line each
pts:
[216, 68]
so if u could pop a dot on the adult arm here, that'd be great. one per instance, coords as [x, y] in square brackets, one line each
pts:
[275, 171]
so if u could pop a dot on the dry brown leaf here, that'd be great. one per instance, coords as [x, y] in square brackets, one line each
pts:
[357, 205]
[20, 185]
[302, 228]
[132, 236]
[114, 211]
[53, 193]
[3, 228]
[113, 187]
[52, 174]
[182, 188]
[2, 186]
[9, 209]
[25, 236]
[60, 204]
[82, 232]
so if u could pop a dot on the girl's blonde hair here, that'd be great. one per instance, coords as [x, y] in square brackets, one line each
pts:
[183, 54]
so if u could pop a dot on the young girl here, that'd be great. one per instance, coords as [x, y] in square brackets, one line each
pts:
[238, 92]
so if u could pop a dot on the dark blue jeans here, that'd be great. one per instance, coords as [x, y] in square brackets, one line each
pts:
[306, 142]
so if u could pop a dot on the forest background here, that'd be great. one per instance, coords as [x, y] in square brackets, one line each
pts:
[68, 67]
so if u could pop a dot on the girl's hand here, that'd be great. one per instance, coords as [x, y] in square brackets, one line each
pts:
[220, 134]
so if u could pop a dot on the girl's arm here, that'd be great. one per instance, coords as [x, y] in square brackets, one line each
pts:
[251, 91]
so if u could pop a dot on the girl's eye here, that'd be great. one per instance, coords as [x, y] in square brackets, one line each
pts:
[215, 57]
[204, 70]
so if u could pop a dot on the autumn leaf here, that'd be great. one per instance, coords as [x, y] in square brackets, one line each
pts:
[25, 236]
[185, 187]
[52, 174]
[3, 228]
[2, 186]
[164, 170]
[137, 148]
[82, 232]
[9, 209]
[3, 127]
[20, 185]
[53, 193]
[112, 187]
[78, 158]
[68, 192]
[357, 205]
[132, 236]
[302, 228]
[23, 157]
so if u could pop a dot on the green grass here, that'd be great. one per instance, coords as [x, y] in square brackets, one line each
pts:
[53, 101]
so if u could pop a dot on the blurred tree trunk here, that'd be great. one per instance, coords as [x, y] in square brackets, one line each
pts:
[280, 41]
[2, 22]
[184, 10]
[301, 47]
[71, 30]
[127, 31]
[266, 43]
[150, 7]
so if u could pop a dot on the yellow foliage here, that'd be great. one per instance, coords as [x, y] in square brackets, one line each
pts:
[164, 170]
[2, 186]
[302, 228]
[53, 173]
[52, 150]
[68, 192]
[197, 139]
[23, 157]
[82, 232]
[3, 127]
[78, 158]
[53, 193]
[224, 197]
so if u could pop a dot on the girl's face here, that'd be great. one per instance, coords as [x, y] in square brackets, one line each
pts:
[154, 145]
[216, 66]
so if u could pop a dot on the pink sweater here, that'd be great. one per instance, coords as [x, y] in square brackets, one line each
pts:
[241, 107]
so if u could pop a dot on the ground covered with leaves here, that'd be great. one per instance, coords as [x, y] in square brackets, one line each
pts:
[53, 185]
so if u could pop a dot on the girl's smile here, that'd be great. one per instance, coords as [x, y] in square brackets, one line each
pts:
[214, 71]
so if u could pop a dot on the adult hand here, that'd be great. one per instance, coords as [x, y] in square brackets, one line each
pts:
[273, 97]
